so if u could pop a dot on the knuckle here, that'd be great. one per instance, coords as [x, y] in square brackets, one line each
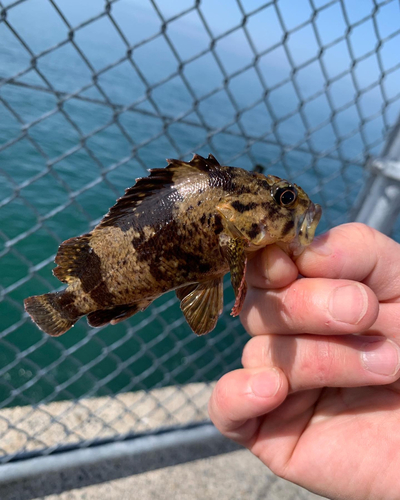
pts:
[221, 395]
[324, 361]
[365, 234]
[256, 352]
[248, 353]
[320, 361]
[294, 310]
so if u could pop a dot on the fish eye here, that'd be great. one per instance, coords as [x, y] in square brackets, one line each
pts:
[285, 196]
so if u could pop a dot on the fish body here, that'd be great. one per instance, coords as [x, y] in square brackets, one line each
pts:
[181, 228]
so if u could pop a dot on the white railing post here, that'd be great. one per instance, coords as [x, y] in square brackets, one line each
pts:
[379, 205]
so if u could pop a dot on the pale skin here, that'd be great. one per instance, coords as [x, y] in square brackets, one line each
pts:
[318, 397]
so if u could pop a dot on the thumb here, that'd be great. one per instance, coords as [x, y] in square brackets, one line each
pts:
[241, 396]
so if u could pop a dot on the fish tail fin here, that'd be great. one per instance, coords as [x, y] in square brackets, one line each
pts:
[48, 314]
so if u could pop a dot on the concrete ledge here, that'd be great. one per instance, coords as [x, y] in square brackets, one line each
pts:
[25, 429]
[191, 463]
[41, 476]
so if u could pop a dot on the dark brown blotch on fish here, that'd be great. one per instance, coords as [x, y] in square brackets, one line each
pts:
[289, 225]
[181, 228]
[241, 189]
[254, 231]
[242, 207]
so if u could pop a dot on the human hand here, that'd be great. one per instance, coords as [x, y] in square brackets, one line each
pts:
[318, 403]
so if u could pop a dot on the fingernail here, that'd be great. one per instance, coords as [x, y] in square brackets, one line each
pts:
[382, 358]
[266, 383]
[320, 245]
[348, 304]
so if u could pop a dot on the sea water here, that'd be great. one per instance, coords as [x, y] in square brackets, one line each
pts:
[65, 165]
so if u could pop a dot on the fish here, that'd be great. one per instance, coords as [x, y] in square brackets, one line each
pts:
[182, 228]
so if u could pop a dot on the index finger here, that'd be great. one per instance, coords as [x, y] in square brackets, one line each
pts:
[270, 267]
[355, 252]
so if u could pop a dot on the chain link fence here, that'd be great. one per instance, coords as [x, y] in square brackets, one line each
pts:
[94, 93]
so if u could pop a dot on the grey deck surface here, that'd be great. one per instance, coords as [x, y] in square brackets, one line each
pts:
[231, 476]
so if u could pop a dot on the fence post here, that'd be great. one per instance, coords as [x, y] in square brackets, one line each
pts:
[379, 203]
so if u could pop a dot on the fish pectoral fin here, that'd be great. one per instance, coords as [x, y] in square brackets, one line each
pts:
[185, 290]
[116, 314]
[201, 304]
[234, 252]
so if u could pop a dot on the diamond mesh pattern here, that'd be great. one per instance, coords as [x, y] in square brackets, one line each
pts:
[113, 89]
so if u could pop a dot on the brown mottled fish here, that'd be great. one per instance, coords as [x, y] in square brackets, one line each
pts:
[181, 228]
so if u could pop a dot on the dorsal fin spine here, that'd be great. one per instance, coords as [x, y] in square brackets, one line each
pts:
[157, 179]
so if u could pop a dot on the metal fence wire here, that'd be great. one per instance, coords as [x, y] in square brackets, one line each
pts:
[94, 93]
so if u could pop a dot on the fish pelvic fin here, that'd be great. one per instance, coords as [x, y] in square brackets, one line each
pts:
[48, 314]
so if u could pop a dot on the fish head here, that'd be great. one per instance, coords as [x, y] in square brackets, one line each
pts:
[276, 211]
[290, 218]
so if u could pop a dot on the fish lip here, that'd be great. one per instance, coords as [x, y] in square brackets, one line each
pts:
[314, 213]
[309, 223]
[305, 230]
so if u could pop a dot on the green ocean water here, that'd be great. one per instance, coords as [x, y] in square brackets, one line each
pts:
[54, 185]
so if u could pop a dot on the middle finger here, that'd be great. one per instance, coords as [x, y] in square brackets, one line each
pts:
[310, 305]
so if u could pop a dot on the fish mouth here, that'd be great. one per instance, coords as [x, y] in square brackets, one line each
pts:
[308, 225]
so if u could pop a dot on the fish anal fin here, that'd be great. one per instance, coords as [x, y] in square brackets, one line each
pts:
[234, 251]
[201, 304]
[116, 314]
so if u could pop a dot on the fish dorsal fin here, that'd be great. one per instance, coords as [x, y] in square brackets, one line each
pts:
[148, 190]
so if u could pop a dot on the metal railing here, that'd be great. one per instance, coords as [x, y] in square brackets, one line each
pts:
[88, 105]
